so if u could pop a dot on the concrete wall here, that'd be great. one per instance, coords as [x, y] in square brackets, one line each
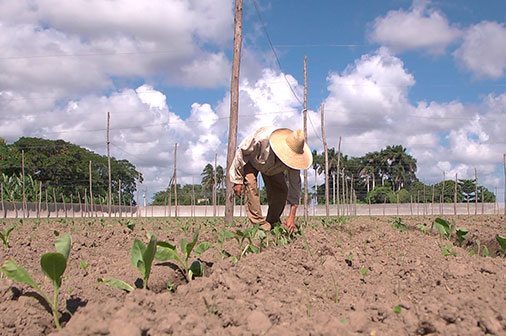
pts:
[15, 210]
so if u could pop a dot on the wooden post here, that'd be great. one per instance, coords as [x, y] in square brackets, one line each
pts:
[214, 184]
[411, 204]
[397, 204]
[475, 191]
[64, 207]
[23, 173]
[193, 196]
[443, 194]
[325, 149]
[234, 109]
[80, 205]
[86, 202]
[455, 196]
[346, 195]
[482, 201]
[351, 195]
[495, 203]
[432, 202]
[384, 204]
[91, 193]
[337, 171]
[315, 190]
[343, 188]
[505, 184]
[109, 201]
[175, 179]
[119, 197]
[72, 205]
[424, 202]
[54, 201]
[306, 185]
[47, 206]
[369, 206]
[2, 197]
[138, 204]
[40, 200]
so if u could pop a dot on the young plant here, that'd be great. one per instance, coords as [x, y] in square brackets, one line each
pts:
[461, 235]
[53, 265]
[248, 234]
[422, 228]
[399, 225]
[5, 235]
[222, 236]
[141, 257]
[166, 251]
[502, 242]
[443, 227]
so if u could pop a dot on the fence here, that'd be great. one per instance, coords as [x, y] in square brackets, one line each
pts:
[72, 210]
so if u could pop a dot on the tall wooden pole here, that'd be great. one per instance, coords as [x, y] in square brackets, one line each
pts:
[337, 172]
[505, 184]
[234, 109]
[324, 140]
[193, 196]
[91, 193]
[119, 197]
[175, 179]
[109, 200]
[306, 208]
[2, 199]
[475, 191]
[214, 184]
[23, 173]
[455, 196]
[443, 194]
[40, 199]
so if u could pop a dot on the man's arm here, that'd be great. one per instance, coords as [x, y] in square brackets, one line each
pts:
[290, 221]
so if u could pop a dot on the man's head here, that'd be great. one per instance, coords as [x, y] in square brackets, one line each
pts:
[290, 147]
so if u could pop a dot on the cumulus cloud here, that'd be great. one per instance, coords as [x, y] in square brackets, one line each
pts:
[483, 51]
[422, 27]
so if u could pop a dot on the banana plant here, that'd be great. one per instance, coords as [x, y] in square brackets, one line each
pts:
[166, 251]
[53, 265]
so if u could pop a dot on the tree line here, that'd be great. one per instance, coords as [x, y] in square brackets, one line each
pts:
[61, 169]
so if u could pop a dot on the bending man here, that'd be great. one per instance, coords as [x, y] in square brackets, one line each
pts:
[271, 152]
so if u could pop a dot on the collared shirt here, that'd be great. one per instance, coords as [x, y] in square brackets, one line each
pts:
[257, 151]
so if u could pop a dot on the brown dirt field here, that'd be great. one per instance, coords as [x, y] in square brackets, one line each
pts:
[359, 269]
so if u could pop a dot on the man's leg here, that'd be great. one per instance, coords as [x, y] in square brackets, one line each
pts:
[277, 192]
[252, 199]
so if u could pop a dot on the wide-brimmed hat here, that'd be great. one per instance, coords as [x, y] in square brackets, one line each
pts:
[290, 147]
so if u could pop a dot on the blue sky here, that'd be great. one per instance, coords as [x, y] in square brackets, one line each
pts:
[429, 75]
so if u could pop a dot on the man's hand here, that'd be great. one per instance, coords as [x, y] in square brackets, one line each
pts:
[290, 221]
[238, 189]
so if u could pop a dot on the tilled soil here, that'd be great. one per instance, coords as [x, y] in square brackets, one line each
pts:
[361, 276]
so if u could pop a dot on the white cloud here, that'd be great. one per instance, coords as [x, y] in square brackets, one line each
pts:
[483, 51]
[419, 28]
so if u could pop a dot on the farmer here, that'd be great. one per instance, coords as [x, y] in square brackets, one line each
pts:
[271, 151]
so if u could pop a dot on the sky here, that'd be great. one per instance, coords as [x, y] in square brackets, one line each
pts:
[428, 75]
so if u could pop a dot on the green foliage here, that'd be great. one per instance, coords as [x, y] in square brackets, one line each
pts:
[502, 242]
[247, 235]
[223, 235]
[399, 225]
[53, 265]
[461, 235]
[141, 257]
[422, 227]
[83, 265]
[5, 235]
[363, 271]
[444, 228]
[397, 309]
[380, 195]
[166, 251]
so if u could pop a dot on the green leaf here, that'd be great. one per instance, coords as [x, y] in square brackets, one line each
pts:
[189, 247]
[397, 309]
[17, 273]
[166, 252]
[115, 283]
[63, 245]
[196, 268]
[138, 250]
[183, 245]
[148, 256]
[202, 247]
[502, 242]
[53, 265]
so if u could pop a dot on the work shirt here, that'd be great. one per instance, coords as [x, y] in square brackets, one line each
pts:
[257, 151]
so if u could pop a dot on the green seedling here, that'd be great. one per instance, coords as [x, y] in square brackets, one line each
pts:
[281, 235]
[461, 235]
[363, 271]
[130, 224]
[502, 242]
[399, 225]
[56, 233]
[5, 235]
[422, 228]
[53, 265]
[248, 234]
[443, 227]
[141, 257]
[448, 250]
[166, 251]
[397, 309]
[83, 265]
[222, 237]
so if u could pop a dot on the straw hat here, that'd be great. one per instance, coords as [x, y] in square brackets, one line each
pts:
[290, 148]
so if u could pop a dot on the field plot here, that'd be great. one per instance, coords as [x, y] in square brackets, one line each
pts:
[355, 275]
